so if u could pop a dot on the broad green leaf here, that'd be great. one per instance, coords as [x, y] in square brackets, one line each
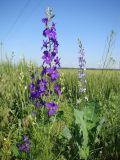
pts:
[15, 150]
[80, 120]
[66, 133]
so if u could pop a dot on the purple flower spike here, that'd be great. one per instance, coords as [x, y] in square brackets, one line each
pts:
[47, 85]
[82, 73]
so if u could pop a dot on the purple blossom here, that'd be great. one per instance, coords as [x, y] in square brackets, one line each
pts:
[57, 61]
[55, 43]
[35, 94]
[53, 54]
[38, 81]
[50, 33]
[52, 108]
[31, 86]
[32, 76]
[53, 27]
[39, 89]
[44, 71]
[37, 104]
[57, 89]
[24, 138]
[42, 88]
[47, 57]
[45, 44]
[25, 145]
[45, 21]
[53, 73]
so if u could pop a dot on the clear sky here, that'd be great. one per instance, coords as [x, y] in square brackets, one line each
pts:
[90, 20]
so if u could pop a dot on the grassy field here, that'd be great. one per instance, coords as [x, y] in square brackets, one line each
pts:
[88, 130]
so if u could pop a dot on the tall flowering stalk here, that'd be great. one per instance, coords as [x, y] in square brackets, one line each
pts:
[45, 89]
[82, 74]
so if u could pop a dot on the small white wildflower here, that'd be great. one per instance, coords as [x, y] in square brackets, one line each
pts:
[86, 98]
[25, 87]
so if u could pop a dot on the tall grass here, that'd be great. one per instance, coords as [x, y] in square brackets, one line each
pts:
[103, 88]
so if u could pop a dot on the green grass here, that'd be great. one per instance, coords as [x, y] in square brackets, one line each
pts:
[103, 90]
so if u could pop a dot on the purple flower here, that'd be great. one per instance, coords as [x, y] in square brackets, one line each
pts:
[24, 138]
[35, 94]
[44, 82]
[25, 145]
[57, 89]
[53, 54]
[81, 73]
[45, 20]
[53, 73]
[52, 108]
[45, 44]
[44, 71]
[42, 85]
[50, 33]
[32, 76]
[53, 27]
[31, 86]
[57, 61]
[38, 81]
[55, 43]
[46, 57]
[45, 32]
[37, 105]
[42, 88]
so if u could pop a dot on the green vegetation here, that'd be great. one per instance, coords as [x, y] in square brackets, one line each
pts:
[89, 130]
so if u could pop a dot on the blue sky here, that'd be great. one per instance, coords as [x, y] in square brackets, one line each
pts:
[90, 20]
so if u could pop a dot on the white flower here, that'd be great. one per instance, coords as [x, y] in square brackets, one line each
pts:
[86, 98]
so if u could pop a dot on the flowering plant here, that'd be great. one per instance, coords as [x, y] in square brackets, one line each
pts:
[43, 89]
[82, 74]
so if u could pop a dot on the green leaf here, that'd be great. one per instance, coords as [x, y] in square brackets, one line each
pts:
[79, 119]
[84, 153]
[66, 133]
[15, 150]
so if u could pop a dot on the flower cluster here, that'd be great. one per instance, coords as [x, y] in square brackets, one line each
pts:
[25, 145]
[81, 72]
[43, 88]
